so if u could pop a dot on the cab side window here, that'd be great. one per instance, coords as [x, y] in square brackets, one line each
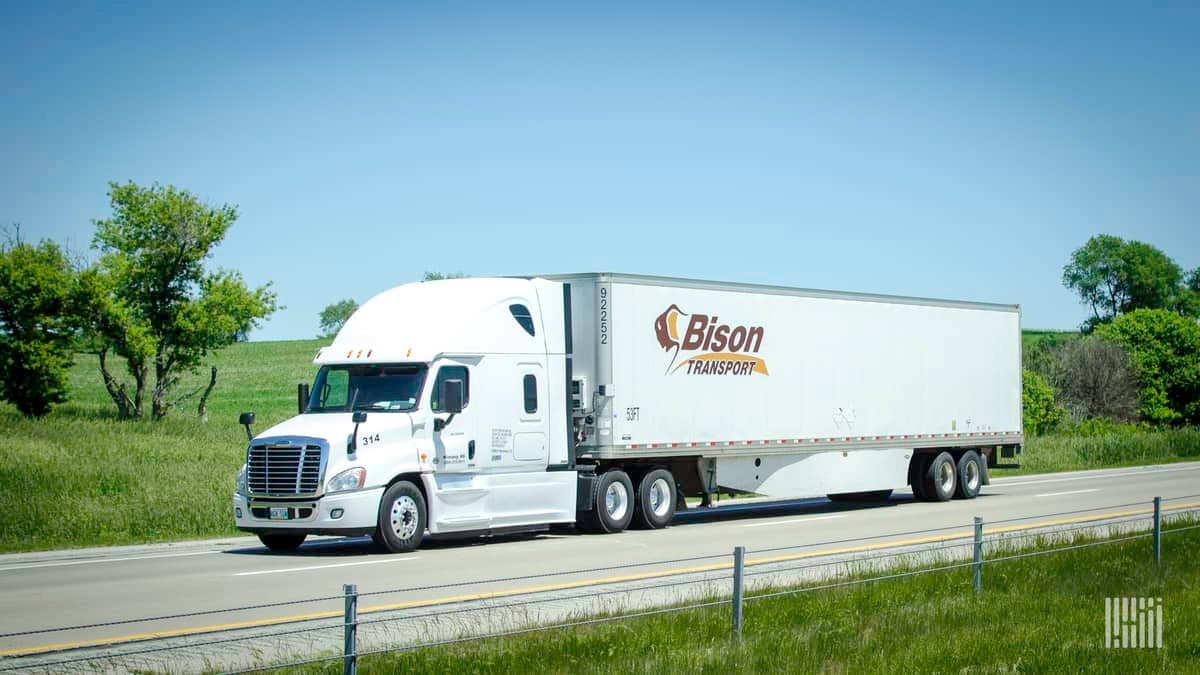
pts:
[530, 394]
[449, 373]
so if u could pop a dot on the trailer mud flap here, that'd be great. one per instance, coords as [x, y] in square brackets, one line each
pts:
[585, 494]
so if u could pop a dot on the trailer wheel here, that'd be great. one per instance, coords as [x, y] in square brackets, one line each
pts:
[970, 475]
[655, 505]
[401, 518]
[613, 508]
[941, 478]
[282, 542]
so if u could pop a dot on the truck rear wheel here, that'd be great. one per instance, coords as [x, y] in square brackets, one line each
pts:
[282, 542]
[401, 518]
[613, 507]
[655, 505]
[941, 478]
[970, 475]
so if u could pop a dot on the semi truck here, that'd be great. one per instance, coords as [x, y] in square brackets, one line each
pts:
[482, 406]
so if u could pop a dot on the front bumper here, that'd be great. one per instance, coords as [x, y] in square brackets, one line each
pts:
[360, 509]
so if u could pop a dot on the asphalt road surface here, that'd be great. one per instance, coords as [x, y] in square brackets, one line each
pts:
[72, 588]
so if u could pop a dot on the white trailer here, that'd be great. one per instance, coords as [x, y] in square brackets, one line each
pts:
[476, 406]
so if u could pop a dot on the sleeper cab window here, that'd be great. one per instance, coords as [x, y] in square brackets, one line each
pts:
[530, 394]
[449, 373]
[523, 317]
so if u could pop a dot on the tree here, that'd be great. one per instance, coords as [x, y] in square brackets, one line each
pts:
[334, 316]
[36, 330]
[150, 300]
[1096, 379]
[1165, 350]
[438, 276]
[1115, 277]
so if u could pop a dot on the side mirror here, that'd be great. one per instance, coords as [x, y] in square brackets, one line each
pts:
[302, 394]
[451, 397]
[358, 418]
[246, 419]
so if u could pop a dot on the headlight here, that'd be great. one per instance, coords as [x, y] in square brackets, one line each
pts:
[350, 479]
[240, 486]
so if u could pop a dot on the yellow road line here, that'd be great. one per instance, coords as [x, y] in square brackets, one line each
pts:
[26, 651]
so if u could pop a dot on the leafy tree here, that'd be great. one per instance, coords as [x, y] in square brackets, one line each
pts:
[438, 276]
[150, 300]
[1165, 350]
[1113, 277]
[334, 316]
[1041, 413]
[36, 330]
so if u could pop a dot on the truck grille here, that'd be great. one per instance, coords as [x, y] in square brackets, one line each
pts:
[284, 470]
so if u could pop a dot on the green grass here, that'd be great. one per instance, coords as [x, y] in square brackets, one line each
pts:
[1122, 447]
[1040, 614]
[80, 477]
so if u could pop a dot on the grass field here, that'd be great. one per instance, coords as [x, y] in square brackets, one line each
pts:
[1035, 615]
[79, 477]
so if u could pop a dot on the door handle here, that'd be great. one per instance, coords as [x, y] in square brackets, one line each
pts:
[470, 449]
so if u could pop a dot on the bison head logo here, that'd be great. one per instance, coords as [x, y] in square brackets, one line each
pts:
[666, 327]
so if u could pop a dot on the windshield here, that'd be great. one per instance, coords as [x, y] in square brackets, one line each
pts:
[378, 388]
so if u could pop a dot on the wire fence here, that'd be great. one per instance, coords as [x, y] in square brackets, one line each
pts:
[342, 635]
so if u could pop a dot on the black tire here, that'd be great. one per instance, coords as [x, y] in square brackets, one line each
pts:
[941, 478]
[970, 475]
[916, 475]
[656, 496]
[402, 518]
[282, 542]
[605, 520]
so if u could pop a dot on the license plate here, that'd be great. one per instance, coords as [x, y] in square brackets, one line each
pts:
[280, 513]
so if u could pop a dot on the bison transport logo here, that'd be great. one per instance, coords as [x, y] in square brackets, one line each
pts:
[708, 346]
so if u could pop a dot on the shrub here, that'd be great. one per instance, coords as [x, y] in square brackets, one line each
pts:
[1164, 348]
[1095, 379]
[1041, 413]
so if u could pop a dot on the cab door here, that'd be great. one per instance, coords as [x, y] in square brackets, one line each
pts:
[456, 441]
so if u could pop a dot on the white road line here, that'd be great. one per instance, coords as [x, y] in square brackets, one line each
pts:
[795, 520]
[323, 567]
[65, 563]
[1005, 483]
[1072, 492]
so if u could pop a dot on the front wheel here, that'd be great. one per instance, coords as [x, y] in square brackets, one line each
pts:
[401, 518]
[282, 542]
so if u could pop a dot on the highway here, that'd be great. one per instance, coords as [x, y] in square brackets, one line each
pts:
[72, 588]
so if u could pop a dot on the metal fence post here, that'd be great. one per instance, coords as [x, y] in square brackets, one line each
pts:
[350, 644]
[739, 559]
[1157, 529]
[978, 567]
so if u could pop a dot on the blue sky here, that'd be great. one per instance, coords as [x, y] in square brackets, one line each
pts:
[906, 148]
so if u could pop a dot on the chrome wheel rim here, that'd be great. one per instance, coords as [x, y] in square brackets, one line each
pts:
[616, 500]
[973, 476]
[660, 497]
[946, 476]
[404, 517]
